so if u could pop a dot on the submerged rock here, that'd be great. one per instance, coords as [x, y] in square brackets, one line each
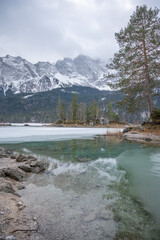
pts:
[83, 159]
[20, 187]
[91, 217]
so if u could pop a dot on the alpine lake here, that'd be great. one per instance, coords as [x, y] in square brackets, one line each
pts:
[95, 188]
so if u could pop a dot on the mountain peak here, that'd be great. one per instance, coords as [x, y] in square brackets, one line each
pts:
[19, 75]
[82, 57]
[12, 57]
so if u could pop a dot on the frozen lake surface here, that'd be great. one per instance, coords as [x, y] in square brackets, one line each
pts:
[31, 134]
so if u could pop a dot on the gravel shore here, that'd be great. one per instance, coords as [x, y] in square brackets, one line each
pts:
[16, 222]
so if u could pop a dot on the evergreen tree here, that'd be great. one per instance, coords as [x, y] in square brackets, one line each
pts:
[93, 111]
[70, 112]
[58, 108]
[137, 63]
[88, 115]
[82, 108]
[74, 108]
[110, 111]
[63, 112]
[98, 113]
[112, 116]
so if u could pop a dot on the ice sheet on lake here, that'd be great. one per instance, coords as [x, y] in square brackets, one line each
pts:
[31, 134]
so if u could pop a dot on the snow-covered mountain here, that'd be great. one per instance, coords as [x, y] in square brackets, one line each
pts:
[18, 75]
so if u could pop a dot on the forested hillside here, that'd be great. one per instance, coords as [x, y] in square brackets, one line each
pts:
[42, 106]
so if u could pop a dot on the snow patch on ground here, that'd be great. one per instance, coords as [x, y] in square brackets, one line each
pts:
[28, 96]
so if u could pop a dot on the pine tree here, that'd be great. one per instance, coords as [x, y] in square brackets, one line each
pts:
[63, 113]
[88, 115]
[74, 108]
[93, 110]
[82, 108]
[112, 116]
[137, 63]
[70, 112]
[58, 108]
[98, 113]
[110, 111]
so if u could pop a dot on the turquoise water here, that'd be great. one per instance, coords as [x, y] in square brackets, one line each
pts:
[97, 188]
[143, 170]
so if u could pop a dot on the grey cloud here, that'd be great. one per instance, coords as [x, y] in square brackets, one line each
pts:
[52, 29]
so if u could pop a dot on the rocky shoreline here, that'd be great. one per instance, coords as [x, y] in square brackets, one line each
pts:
[138, 134]
[141, 137]
[16, 222]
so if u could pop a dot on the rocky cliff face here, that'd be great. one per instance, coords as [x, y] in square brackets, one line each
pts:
[18, 75]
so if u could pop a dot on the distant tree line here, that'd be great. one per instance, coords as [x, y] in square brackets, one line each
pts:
[80, 112]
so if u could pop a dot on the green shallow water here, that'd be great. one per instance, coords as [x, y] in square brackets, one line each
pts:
[95, 189]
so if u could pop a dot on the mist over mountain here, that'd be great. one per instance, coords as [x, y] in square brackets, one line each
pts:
[18, 75]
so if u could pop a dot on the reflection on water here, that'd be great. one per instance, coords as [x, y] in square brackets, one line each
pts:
[74, 150]
[94, 189]
[155, 159]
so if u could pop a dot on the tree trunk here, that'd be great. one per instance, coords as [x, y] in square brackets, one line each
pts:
[147, 79]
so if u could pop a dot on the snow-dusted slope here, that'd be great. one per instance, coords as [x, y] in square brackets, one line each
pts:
[19, 75]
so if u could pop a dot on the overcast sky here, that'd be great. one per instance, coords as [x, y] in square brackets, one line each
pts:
[48, 30]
